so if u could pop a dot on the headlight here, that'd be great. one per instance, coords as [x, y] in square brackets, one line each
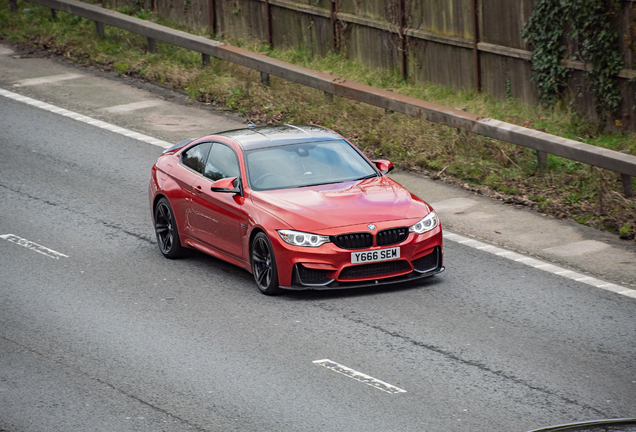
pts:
[298, 238]
[429, 222]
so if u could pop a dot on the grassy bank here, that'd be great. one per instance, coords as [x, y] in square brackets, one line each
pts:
[565, 189]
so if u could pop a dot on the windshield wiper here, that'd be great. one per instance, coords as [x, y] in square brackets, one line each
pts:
[367, 177]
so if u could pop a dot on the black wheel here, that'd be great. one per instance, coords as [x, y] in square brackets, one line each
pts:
[264, 265]
[166, 230]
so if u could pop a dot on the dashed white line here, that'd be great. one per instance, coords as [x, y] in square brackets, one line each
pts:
[85, 119]
[359, 376]
[46, 80]
[33, 246]
[532, 262]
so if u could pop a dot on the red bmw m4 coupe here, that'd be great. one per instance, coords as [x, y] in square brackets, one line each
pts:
[297, 206]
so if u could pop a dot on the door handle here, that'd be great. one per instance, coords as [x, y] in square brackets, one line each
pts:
[198, 188]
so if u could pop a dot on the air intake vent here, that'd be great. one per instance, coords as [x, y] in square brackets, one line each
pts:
[373, 270]
[312, 276]
[427, 263]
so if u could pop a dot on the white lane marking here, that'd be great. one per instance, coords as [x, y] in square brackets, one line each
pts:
[578, 248]
[46, 80]
[133, 106]
[33, 246]
[550, 268]
[85, 119]
[454, 204]
[359, 376]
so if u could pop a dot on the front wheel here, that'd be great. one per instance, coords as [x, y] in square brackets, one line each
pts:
[264, 265]
[166, 230]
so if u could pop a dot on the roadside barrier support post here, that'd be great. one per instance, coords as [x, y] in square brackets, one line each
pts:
[386, 110]
[100, 29]
[152, 45]
[205, 60]
[265, 75]
[627, 185]
[13, 5]
[542, 159]
[53, 14]
[628, 188]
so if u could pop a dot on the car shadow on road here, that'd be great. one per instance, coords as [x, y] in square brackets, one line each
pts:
[421, 284]
[243, 276]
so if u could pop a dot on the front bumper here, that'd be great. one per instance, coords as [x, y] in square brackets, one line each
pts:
[333, 285]
[330, 267]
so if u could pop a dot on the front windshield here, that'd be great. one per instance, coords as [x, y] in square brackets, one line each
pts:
[306, 164]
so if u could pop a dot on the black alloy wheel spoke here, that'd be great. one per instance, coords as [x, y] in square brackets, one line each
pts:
[263, 276]
[164, 213]
[261, 257]
[167, 242]
[163, 228]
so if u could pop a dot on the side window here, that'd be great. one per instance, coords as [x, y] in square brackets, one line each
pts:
[195, 157]
[222, 163]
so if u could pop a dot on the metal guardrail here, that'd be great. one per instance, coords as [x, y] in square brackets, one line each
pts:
[542, 142]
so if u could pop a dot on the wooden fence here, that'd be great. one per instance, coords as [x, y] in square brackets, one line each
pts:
[464, 44]
[542, 142]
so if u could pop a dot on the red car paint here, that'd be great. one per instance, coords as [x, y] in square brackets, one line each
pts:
[224, 224]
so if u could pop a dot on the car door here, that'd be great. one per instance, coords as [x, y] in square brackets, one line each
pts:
[218, 216]
[184, 174]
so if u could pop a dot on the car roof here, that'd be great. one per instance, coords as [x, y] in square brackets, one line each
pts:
[270, 136]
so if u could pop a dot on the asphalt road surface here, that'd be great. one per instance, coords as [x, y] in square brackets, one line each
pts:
[99, 332]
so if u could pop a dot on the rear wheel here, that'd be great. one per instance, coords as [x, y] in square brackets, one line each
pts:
[264, 265]
[166, 230]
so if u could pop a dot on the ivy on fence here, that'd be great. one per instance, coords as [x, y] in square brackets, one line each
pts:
[592, 28]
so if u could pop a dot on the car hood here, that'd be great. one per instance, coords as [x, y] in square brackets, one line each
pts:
[317, 208]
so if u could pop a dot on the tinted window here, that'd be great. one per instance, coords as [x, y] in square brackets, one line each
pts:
[308, 164]
[195, 157]
[222, 163]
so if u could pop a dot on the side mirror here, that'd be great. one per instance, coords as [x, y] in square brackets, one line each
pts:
[226, 185]
[384, 166]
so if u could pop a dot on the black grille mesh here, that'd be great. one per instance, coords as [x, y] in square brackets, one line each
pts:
[427, 262]
[353, 240]
[312, 276]
[392, 236]
[374, 269]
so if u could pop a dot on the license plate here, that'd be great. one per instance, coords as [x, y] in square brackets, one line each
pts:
[376, 255]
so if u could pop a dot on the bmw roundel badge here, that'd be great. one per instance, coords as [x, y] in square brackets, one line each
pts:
[371, 227]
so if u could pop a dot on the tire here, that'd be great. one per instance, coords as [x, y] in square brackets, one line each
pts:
[264, 265]
[166, 230]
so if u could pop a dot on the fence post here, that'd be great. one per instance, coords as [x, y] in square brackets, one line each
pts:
[402, 36]
[13, 5]
[268, 22]
[628, 188]
[265, 75]
[334, 30]
[53, 14]
[475, 7]
[205, 60]
[212, 16]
